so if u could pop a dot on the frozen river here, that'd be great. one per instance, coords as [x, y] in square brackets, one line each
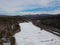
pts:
[32, 35]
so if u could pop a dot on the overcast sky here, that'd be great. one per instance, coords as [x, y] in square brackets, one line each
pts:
[29, 6]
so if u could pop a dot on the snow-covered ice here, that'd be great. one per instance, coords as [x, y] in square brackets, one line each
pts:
[32, 35]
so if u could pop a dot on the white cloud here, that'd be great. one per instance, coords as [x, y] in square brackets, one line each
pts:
[11, 6]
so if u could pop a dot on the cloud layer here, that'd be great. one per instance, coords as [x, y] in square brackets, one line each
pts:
[29, 6]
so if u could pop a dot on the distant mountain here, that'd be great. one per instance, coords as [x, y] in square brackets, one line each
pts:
[36, 16]
[42, 16]
[3, 15]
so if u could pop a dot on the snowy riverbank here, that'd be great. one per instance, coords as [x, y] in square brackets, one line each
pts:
[32, 35]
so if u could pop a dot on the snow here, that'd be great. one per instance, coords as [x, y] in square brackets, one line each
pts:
[6, 43]
[32, 35]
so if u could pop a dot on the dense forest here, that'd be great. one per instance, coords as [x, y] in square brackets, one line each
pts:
[43, 21]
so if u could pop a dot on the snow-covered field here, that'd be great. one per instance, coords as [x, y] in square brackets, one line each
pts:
[32, 35]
